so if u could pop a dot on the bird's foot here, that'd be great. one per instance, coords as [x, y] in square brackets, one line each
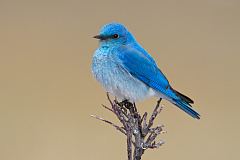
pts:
[127, 104]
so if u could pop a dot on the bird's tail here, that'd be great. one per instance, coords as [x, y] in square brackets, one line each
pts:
[184, 103]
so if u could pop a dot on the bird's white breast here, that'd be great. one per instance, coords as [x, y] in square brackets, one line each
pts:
[116, 80]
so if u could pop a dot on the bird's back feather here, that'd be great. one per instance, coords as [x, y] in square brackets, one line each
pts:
[142, 68]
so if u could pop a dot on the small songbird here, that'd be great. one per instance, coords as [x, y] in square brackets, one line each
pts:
[127, 71]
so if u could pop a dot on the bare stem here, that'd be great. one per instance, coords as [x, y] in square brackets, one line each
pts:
[135, 126]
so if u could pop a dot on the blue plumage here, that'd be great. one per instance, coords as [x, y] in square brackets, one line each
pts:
[127, 71]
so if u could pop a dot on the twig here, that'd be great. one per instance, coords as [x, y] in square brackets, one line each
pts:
[135, 126]
[154, 114]
[129, 144]
[107, 108]
[114, 125]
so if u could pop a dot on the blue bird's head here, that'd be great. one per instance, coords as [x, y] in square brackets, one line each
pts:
[114, 34]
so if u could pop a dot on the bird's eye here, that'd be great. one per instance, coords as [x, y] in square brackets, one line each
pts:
[115, 36]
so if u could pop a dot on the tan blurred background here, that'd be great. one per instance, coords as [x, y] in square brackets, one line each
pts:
[47, 92]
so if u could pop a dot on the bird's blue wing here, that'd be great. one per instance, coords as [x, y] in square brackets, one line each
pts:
[142, 68]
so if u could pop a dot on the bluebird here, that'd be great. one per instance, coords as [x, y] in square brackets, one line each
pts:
[127, 71]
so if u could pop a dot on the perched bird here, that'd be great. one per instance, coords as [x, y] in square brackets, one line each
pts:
[127, 71]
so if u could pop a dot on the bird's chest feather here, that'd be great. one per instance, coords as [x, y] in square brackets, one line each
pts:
[106, 70]
[116, 79]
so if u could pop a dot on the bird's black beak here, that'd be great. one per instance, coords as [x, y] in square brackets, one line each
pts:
[101, 37]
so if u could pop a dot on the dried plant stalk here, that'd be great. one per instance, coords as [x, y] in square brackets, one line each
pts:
[140, 133]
